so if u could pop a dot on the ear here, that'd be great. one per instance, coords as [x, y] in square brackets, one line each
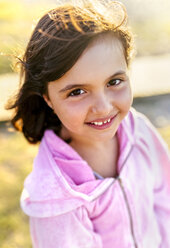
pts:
[47, 100]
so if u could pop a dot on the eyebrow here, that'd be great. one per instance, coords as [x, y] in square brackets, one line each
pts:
[73, 86]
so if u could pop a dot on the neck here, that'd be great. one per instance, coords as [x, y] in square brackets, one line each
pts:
[93, 146]
[101, 156]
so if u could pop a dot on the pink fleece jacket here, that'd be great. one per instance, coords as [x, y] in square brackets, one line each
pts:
[70, 208]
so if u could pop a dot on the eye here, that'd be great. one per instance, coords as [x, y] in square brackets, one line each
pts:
[115, 82]
[76, 92]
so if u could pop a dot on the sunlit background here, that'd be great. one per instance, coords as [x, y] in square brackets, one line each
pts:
[150, 77]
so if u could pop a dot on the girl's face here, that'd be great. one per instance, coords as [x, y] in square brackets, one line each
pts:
[94, 96]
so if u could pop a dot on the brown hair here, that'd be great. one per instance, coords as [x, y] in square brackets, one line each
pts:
[57, 42]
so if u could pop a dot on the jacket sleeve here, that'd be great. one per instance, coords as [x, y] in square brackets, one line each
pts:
[162, 187]
[67, 230]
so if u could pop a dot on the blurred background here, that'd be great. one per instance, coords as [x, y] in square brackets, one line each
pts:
[150, 77]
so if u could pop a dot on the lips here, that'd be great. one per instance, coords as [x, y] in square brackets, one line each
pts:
[102, 123]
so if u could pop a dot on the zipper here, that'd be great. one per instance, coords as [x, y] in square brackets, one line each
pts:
[129, 212]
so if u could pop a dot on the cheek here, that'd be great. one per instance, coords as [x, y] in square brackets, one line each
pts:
[124, 99]
[72, 115]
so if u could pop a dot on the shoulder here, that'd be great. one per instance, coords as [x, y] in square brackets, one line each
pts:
[141, 130]
[145, 134]
[149, 144]
[140, 124]
[136, 125]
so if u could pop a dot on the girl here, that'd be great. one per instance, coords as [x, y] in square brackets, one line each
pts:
[100, 179]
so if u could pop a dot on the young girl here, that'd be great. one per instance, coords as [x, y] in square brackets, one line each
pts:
[100, 179]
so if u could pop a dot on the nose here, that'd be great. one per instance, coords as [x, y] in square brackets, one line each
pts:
[102, 105]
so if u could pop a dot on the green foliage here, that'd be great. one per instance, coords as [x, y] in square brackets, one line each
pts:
[5, 64]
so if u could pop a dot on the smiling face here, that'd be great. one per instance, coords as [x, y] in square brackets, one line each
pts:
[94, 96]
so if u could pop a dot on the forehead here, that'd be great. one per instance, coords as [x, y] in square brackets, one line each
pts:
[102, 58]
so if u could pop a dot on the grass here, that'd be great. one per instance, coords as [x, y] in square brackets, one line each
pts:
[16, 157]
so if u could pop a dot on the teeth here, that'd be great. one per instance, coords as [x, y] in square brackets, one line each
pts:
[98, 123]
[101, 123]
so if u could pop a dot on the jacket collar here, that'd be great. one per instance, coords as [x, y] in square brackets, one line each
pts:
[61, 180]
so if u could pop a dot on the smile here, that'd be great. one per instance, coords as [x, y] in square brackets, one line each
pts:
[102, 123]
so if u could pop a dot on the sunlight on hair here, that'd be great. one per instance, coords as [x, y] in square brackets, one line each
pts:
[111, 14]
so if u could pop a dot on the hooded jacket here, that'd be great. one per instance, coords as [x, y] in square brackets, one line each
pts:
[70, 206]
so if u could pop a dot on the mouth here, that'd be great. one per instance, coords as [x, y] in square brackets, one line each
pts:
[102, 123]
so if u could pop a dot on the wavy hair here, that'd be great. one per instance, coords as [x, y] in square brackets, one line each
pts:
[57, 42]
